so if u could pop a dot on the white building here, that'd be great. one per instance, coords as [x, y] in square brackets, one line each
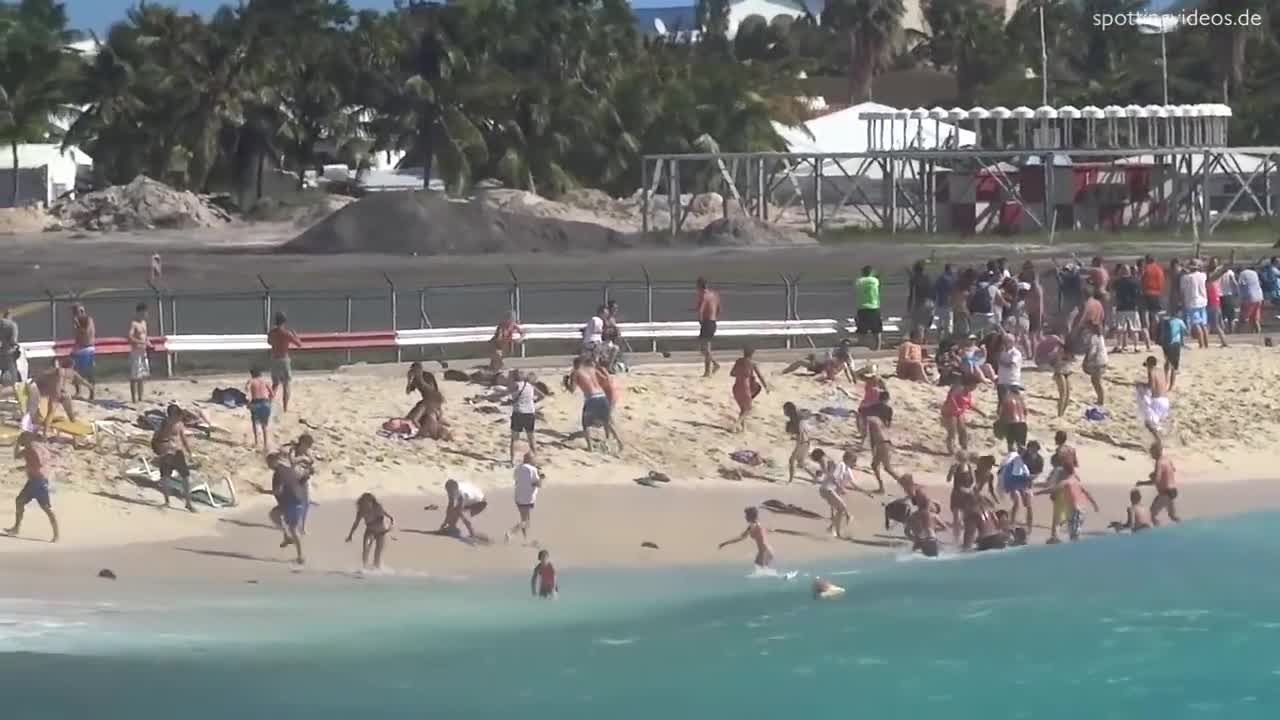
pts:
[45, 173]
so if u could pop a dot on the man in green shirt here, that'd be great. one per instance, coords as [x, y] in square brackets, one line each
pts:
[868, 290]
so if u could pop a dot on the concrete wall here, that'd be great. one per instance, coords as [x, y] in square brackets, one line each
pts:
[33, 186]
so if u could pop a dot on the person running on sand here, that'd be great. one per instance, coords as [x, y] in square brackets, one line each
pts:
[961, 477]
[1164, 477]
[1063, 362]
[172, 452]
[747, 383]
[281, 338]
[758, 533]
[911, 358]
[528, 481]
[1154, 404]
[1075, 495]
[53, 386]
[301, 460]
[1193, 286]
[524, 393]
[836, 479]
[139, 365]
[708, 309]
[505, 336]
[872, 386]
[984, 475]
[83, 351]
[1213, 290]
[286, 485]
[377, 523]
[1095, 363]
[1137, 517]
[543, 583]
[260, 394]
[464, 499]
[1251, 297]
[796, 429]
[879, 418]
[958, 402]
[596, 408]
[37, 485]
[1172, 334]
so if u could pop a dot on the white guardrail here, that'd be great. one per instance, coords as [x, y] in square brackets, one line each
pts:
[533, 332]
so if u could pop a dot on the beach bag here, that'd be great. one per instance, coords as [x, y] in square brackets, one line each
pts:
[755, 387]
[229, 397]
[151, 420]
[1164, 330]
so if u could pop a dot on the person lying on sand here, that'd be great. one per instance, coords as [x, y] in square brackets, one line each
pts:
[835, 363]
[543, 583]
[377, 523]
[757, 532]
[1137, 518]
[465, 500]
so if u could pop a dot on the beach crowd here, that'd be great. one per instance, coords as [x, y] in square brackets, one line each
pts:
[970, 331]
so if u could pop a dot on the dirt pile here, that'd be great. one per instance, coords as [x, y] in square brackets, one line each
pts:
[595, 206]
[143, 204]
[301, 209]
[18, 221]
[426, 223]
[741, 231]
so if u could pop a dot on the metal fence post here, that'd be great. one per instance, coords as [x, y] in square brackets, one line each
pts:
[348, 327]
[266, 305]
[422, 319]
[513, 299]
[786, 303]
[395, 325]
[173, 328]
[168, 357]
[648, 305]
[53, 314]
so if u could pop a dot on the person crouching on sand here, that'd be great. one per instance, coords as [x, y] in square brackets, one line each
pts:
[286, 485]
[377, 523]
[543, 583]
[1137, 517]
[747, 384]
[757, 532]
[465, 500]
[911, 358]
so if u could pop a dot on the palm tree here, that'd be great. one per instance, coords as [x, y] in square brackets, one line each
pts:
[871, 28]
[1229, 44]
[966, 37]
[35, 73]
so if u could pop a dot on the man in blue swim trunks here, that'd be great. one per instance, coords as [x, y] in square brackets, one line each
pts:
[37, 487]
[1195, 302]
[286, 485]
[596, 409]
[83, 351]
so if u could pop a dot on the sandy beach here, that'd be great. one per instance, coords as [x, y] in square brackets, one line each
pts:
[591, 513]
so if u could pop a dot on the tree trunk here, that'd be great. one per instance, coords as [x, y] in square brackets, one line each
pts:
[854, 90]
[426, 142]
[13, 147]
[262, 161]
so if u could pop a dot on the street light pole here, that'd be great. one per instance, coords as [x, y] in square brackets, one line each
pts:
[1044, 60]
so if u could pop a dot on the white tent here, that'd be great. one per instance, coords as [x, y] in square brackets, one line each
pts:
[846, 131]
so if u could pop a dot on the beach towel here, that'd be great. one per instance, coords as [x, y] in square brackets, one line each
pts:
[1095, 414]
[401, 428]
[229, 397]
[746, 457]
[837, 412]
[789, 509]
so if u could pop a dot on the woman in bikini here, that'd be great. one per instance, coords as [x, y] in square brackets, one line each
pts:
[747, 383]
[984, 475]
[959, 401]
[377, 523]
[961, 477]
[797, 430]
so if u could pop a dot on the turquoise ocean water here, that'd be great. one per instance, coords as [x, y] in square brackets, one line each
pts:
[1176, 623]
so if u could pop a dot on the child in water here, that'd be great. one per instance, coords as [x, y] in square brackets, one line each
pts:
[377, 523]
[755, 531]
[543, 582]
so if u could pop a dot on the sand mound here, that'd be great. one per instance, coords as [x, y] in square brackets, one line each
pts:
[23, 220]
[302, 209]
[143, 204]
[427, 223]
[742, 231]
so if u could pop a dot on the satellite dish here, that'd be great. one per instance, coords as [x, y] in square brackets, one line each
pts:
[659, 26]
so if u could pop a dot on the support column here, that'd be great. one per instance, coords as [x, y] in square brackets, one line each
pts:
[891, 183]
[644, 195]
[1205, 227]
[817, 195]
[673, 195]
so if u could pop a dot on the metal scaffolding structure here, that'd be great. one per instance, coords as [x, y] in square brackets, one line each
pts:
[900, 190]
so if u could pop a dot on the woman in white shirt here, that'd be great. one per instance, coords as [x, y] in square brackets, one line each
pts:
[528, 479]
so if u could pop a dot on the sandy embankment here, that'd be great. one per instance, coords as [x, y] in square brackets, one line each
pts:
[1224, 439]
